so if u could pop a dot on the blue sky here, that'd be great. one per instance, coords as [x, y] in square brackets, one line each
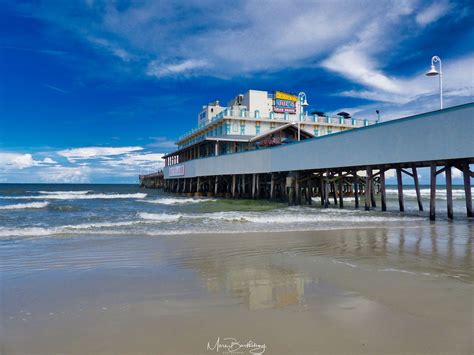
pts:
[97, 91]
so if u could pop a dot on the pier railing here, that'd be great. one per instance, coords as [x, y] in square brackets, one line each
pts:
[273, 116]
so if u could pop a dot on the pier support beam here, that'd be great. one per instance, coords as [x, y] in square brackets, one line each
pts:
[383, 192]
[417, 188]
[368, 179]
[341, 191]
[433, 192]
[290, 187]
[356, 190]
[216, 185]
[272, 187]
[234, 185]
[326, 190]
[372, 192]
[449, 192]
[467, 188]
[254, 185]
[400, 189]
[297, 190]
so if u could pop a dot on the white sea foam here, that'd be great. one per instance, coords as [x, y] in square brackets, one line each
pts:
[178, 201]
[160, 217]
[42, 231]
[21, 206]
[84, 192]
[277, 217]
[73, 196]
[458, 194]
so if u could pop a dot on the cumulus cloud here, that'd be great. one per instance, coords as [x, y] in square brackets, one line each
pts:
[62, 174]
[9, 160]
[79, 165]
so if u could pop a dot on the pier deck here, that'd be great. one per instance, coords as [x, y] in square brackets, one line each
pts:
[333, 164]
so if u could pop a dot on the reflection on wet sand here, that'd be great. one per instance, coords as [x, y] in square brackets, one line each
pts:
[273, 287]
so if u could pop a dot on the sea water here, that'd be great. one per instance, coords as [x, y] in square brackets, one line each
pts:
[37, 211]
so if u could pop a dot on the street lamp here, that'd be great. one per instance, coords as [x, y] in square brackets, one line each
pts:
[434, 72]
[303, 103]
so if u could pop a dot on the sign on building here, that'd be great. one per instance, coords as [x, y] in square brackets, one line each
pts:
[176, 170]
[284, 102]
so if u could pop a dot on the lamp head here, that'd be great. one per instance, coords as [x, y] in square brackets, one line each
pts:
[305, 102]
[432, 72]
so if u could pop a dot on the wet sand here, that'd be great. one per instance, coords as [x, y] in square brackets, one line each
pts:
[391, 290]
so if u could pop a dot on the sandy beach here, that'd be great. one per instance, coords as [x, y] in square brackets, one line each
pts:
[404, 290]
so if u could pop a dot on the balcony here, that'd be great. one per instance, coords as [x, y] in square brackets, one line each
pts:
[279, 117]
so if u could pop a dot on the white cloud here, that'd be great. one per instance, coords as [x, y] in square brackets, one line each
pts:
[432, 13]
[158, 69]
[48, 160]
[75, 154]
[134, 161]
[17, 161]
[161, 142]
[62, 174]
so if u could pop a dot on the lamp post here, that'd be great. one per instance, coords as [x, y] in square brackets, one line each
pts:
[378, 115]
[303, 103]
[434, 72]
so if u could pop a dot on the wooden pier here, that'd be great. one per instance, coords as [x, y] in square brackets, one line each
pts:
[352, 163]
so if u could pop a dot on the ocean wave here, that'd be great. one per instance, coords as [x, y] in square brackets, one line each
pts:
[458, 194]
[44, 231]
[84, 192]
[278, 218]
[159, 217]
[21, 206]
[73, 196]
[178, 201]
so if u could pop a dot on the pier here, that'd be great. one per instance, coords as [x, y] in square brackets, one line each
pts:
[348, 163]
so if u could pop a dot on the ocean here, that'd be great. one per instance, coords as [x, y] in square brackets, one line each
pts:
[121, 269]
[38, 211]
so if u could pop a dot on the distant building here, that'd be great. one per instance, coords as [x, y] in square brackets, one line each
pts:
[255, 120]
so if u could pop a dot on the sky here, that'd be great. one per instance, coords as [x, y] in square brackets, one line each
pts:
[97, 91]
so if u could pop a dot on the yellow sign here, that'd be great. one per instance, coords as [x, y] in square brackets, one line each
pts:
[284, 96]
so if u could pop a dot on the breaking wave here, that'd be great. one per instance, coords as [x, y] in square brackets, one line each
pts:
[85, 192]
[21, 206]
[277, 218]
[42, 231]
[178, 201]
[61, 195]
[458, 194]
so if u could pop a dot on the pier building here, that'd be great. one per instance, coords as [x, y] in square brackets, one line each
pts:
[352, 161]
[256, 120]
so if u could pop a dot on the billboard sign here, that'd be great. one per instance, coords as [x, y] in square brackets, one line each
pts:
[176, 170]
[284, 102]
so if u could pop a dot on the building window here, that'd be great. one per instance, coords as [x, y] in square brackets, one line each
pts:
[227, 128]
[257, 129]
[242, 129]
[316, 132]
[329, 131]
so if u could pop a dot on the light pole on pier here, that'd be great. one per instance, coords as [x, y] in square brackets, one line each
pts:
[303, 103]
[434, 72]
